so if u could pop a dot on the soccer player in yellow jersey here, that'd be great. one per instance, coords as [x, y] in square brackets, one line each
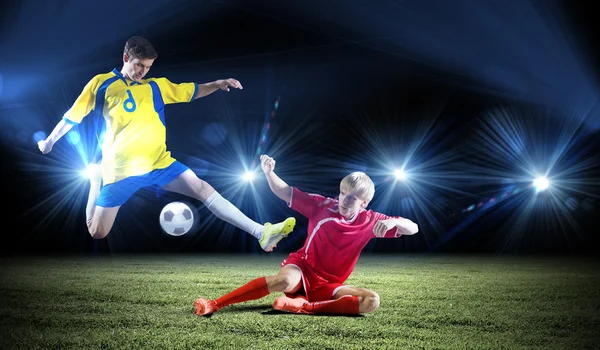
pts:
[134, 150]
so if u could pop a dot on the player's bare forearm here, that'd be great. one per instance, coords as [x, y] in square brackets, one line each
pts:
[403, 227]
[276, 184]
[222, 84]
[206, 89]
[59, 131]
[279, 187]
[406, 226]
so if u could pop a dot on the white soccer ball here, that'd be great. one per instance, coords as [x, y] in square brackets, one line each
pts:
[176, 218]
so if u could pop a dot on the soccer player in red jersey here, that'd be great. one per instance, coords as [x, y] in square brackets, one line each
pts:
[313, 277]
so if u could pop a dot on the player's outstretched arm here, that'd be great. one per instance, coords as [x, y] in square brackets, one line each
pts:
[59, 131]
[277, 185]
[404, 226]
[221, 84]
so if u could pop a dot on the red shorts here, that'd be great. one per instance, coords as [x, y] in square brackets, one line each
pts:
[314, 287]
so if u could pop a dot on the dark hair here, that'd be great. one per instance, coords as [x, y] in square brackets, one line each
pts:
[139, 47]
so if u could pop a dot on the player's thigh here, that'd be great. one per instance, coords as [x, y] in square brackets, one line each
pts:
[189, 184]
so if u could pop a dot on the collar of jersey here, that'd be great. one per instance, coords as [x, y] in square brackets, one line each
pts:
[117, 73]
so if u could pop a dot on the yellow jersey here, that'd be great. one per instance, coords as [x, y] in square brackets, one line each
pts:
[135, 138]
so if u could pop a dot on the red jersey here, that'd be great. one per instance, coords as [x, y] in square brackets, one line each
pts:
[333, 244]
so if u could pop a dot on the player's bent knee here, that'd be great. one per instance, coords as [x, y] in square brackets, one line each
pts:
[202, 190]
[284, 283]
[369, 303]
[97, 232]
[98, 235]
[292, 284]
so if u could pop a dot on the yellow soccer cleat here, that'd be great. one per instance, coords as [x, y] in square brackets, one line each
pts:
[273, 233]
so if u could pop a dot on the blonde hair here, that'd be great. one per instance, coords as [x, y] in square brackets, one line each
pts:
[359, 183]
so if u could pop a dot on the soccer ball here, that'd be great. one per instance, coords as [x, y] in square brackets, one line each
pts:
[176, 218]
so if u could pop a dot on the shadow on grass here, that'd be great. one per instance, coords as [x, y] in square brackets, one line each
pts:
[278, 312]
[250, 308]
[240, 309]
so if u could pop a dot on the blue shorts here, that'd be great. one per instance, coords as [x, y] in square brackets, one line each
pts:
[117, 193]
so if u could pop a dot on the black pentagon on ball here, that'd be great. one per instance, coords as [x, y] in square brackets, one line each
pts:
[168, 215]
[179, 231]
[187, 214]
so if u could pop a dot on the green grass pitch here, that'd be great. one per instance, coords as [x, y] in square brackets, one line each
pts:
[427, 302]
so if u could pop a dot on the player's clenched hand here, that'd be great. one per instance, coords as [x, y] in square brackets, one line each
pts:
[45, 146]
[267, 163]
[225, 84]
[382, 226]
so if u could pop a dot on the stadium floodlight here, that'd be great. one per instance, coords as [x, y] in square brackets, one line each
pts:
[88, 172]
[400, 174]
[541, 184]
[248, 176]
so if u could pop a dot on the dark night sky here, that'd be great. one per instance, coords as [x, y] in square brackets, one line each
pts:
[355, 81]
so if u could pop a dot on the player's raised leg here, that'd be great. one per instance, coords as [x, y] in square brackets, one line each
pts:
[268, 235]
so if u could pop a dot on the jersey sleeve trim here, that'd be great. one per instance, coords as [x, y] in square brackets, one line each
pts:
[196, 87]
[69, 121]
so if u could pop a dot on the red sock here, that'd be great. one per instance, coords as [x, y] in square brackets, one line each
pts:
[348, 304]
[252, 290]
